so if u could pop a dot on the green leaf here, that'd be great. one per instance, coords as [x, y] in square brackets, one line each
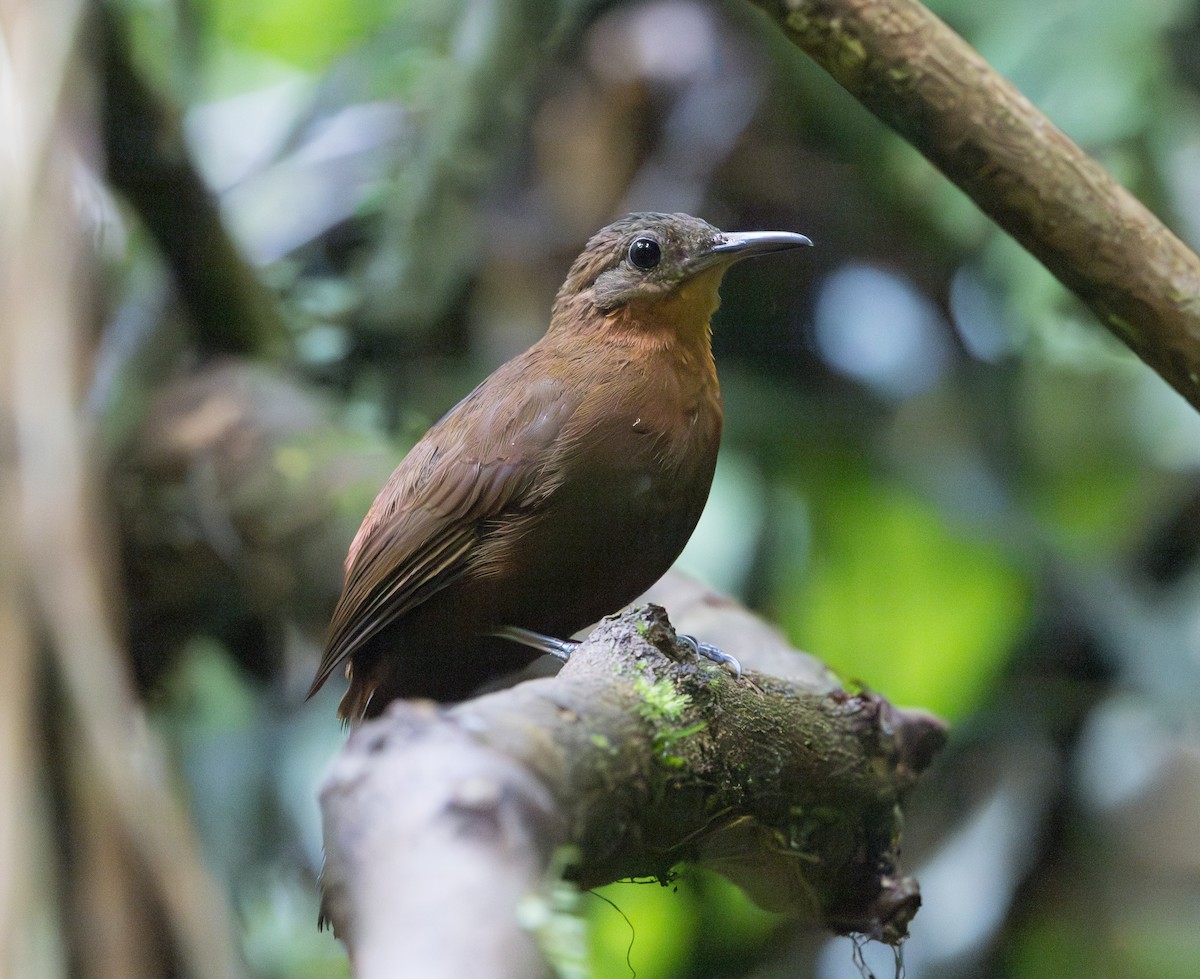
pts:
[662, 926]
[306, 33]
[896, 598]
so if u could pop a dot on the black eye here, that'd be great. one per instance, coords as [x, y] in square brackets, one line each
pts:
[644, 254]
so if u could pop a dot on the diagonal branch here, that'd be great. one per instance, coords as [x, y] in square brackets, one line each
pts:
[922, 79]
[231, 311]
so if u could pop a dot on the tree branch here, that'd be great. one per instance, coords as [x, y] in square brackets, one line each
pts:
[636, 757]
[927, 83]
[231, 311]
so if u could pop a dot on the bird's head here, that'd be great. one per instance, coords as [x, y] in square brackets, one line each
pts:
[665, 267]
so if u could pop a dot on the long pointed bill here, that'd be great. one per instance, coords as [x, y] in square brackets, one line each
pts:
[743, 244]
[733, 247]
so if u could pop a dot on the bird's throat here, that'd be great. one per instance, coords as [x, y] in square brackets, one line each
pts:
[681, 317]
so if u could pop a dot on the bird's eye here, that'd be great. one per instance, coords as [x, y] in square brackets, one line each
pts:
[644, 254]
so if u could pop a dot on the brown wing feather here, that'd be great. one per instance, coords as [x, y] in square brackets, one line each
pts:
[421, 531]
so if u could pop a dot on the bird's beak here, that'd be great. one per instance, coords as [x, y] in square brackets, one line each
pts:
[734, 246]
[743, 244]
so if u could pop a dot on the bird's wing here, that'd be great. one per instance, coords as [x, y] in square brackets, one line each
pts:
[426, 523]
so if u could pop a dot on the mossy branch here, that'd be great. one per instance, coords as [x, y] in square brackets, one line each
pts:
[637, 757]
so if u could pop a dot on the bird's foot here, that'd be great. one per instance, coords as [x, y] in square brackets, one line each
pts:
[558, 648]
[711, 652]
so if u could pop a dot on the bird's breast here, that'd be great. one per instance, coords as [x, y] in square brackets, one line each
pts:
[650, 444]
[620, 493]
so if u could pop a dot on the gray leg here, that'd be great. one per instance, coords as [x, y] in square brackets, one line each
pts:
[558, 648]
[562, 648]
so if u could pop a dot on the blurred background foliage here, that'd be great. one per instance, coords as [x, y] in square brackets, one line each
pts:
[939, 474]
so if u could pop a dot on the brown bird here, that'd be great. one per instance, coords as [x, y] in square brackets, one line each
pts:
[559, 489]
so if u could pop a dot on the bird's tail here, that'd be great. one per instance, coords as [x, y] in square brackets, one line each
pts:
[358, 702]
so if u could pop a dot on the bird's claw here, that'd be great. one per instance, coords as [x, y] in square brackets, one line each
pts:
[711, 652]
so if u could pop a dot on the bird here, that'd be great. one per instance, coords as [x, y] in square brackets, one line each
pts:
[558, 490]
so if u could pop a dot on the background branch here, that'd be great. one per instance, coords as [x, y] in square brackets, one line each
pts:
[922, 79]
[230, 310]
